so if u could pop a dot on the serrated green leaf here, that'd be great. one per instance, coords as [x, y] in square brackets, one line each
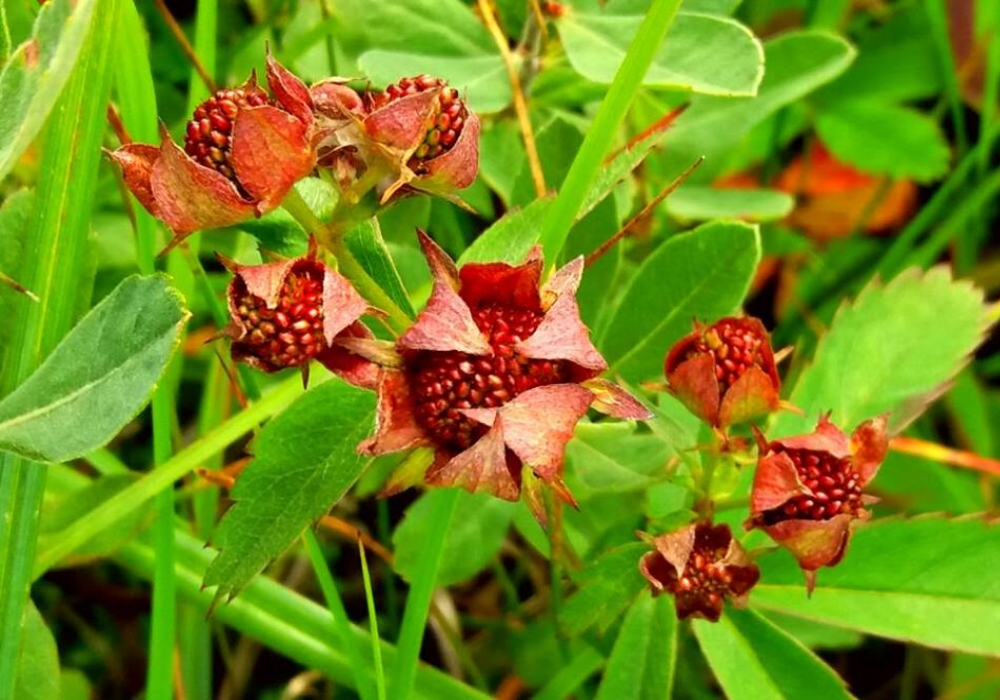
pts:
[642, 661]
[37, 71]
[797, 63]
[701, 203]
[606, 588]
[892, 349]
[38, 664]
[754, 660]
[304, 461]
[926, 580]
[482, 80]
[366, 243]
[613, 458]
[701, 274]
[98, 378]
[884, 139]
[478, 529]
[703, 53]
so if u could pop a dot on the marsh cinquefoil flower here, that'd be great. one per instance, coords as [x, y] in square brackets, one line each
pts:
[807, 490]
[494, 375]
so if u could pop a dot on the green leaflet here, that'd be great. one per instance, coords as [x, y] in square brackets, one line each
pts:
[99, 377]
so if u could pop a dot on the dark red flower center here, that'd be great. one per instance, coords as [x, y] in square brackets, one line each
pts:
[208, 137]
[735, 347]
[444, 383]
[291, 333]
[443, 127]
[835, 486]
[704, 584]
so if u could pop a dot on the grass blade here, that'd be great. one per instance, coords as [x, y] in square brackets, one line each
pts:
[373, 623]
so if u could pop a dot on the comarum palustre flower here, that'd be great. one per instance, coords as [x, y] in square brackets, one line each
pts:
[285, 314]
[808, 490]
[725, 373]
[702, 566]
[493, 376]
[243, 151]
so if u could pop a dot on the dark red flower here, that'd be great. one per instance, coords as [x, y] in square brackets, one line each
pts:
[725, 373]
[285, 314]
[807, 490]
[701, 565]
[494, 376]
[243, 151]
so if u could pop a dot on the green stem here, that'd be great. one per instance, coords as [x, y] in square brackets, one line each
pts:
[341, 623]
[163, 477]
[418, 602]
[348, 264]
[373, 623]
[602, 130]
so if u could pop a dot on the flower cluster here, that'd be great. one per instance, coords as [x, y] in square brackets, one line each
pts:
[245, 147]
[807, 491]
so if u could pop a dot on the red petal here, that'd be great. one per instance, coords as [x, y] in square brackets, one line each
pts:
[753, 394]
[482, 467]
[680, 350]
[136, 161]
[826, 438]
[562, 335]
[342, 305]
[611, 399]
[814, 543]
[446, 323]
[270, 154]
[538, 423]
[290, 92]
[869, 444]
[352, 368]
[440, 263]
[396, 426]
[676, 547]
[503, 284]
[402, 123]
[192, 197]
[695, 385]
[564, 282]
[264, 281]
[456, 169]
[774, 482]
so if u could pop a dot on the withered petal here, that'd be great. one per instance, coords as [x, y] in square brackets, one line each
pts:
[562, 335]
[538, 423]
[190, 196]
[563, 282]
[350, 366]
[869, 444]
[676, 547]
[753, 394]
[396, 426]
[775, 481]
[290, 92]
[481, 468]
[695, 385]
[342, 305]
[136, 161]
[660, 573]
[402, 123]
[445, 324]
[441, 265]
[814, 543]
[826, 438]
[270, 153]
